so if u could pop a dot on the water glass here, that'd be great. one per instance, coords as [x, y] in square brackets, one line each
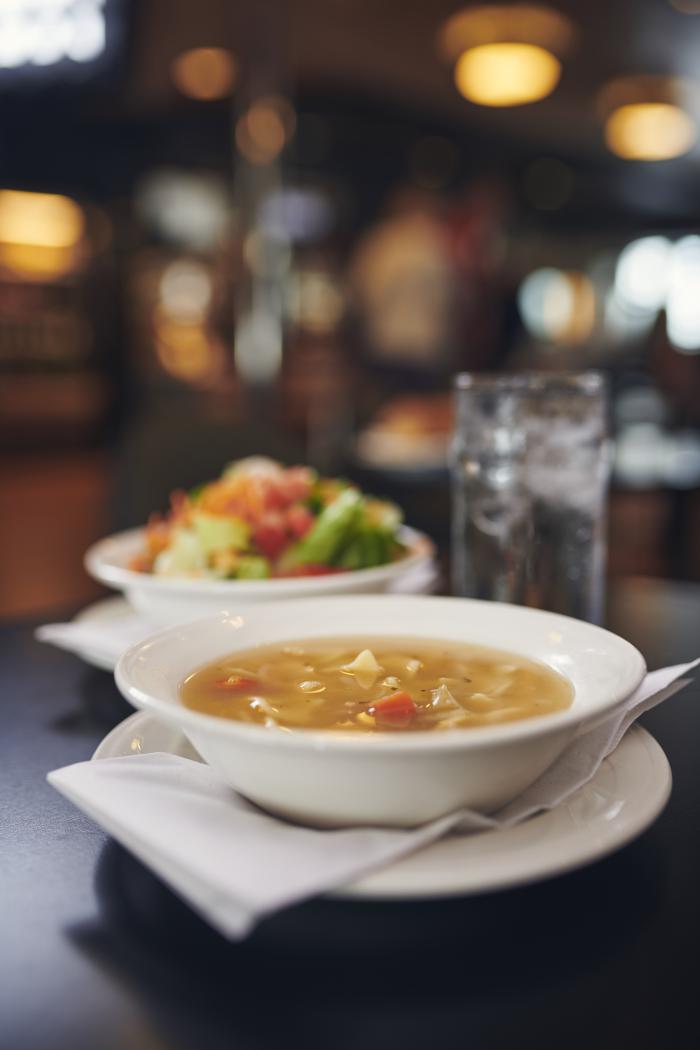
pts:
[530, 467]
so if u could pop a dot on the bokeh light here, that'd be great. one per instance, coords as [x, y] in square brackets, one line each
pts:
[506, 74]
[650, 131]
[187, 208]
[316, 301]
[506, 54]
[558, 306]
[265, 128]
[46, 32]
[683, 300]
[185, 346]
[641, 274]
[188, 352]
[45, 219]
[204, 73]
[185, 290]
[300, 213]
[40, 233]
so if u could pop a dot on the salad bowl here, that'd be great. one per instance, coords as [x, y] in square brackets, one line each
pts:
[260, 532]
[173, 599]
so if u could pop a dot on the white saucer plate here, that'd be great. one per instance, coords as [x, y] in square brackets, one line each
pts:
[623, 799]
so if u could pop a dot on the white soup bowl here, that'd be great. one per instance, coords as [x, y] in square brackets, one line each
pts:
[331, 778]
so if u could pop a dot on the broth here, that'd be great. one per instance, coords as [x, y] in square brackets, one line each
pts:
[375, 685]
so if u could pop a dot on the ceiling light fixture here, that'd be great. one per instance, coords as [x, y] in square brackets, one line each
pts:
[649, 131]
[506, 74]
[645, 119]
[506, 54]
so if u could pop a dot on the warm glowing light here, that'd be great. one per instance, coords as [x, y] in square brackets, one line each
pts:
[506, 54]
[185, 291]
[649, 131]
[204, 73]
[40, 218]
[39, 233]
[188, 352]
[316, 302]
[558, 306]
[265, 128]
[36, 263]
[507, 74]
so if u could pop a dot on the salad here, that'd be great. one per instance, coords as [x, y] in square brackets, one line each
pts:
[261, 519]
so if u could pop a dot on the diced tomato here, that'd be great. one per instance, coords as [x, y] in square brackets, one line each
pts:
[397, 709]
[295, 483]
[273, 496]
[270, 535]
[236, 683]
[299, 520]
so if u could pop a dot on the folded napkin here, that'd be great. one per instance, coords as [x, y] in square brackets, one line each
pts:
[105, 640]
[235, 864]
[108, 639]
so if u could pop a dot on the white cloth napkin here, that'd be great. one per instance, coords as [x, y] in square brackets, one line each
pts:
[235, 864]
[108, 639]
[105, 640]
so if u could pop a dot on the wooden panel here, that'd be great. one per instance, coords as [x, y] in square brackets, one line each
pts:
[51, 509]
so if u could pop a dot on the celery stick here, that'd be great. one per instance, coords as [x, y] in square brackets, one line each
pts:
[332, 529]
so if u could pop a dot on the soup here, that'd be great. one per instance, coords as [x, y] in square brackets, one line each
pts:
[377, 685]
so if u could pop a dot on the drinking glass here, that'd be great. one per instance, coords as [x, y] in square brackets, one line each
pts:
[530, 464]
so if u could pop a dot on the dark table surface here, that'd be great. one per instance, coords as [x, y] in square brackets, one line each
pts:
[96, 953]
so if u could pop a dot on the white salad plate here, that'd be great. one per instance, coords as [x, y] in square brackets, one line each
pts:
[629, 791]
[173, 599]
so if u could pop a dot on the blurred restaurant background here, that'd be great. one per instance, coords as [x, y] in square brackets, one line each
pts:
[241, 226]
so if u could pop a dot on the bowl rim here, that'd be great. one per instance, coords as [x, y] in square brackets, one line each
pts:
[108, 571]
[384, 743]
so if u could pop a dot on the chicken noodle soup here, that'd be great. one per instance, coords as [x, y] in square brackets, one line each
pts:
[379, 684]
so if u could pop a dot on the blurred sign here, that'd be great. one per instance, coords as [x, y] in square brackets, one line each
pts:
[40, 35]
